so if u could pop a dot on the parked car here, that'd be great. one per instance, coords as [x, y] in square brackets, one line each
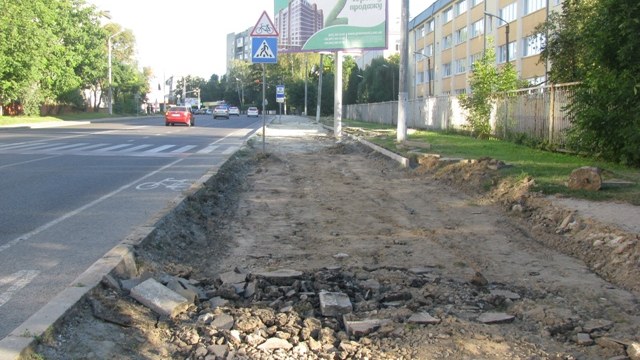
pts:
[179, 115]
[253, 111]
[221, 111]
[233, 110]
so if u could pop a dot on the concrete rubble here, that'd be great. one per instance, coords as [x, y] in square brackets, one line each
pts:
[336, 312]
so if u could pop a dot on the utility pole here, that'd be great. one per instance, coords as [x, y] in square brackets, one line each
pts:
[402, 81]
[110, 105]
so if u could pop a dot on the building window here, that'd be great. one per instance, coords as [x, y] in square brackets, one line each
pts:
[476, 2]
[533, 5]
[422, 32]
[502, 52]
[431, 25]
[446, 70]
[461, 66]
[533, 45]
[460, 91]
[477, 28]
[447, 15]
[461, 35]
[446, 42]
[535, 81]
[428, 50]
[509, 12]
[473, 59]
[461, 7]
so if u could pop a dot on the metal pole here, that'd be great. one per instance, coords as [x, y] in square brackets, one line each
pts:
[264, 120]
[507, 30]
[402, 81]
[429, 75]
[306, 76]
[337, 97]
[110, 90]
[319, 89]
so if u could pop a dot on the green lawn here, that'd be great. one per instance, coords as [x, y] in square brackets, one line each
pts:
[549, 170]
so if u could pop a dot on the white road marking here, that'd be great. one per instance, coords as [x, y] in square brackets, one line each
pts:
[183, 149]
[114, 147]
[135, 148]
[158, 149]
[230, 150]
[208, 149]
[17, 280]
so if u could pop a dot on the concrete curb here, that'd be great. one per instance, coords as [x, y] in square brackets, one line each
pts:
[404, 162]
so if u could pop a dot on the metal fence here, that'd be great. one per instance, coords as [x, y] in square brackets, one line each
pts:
[538, 113]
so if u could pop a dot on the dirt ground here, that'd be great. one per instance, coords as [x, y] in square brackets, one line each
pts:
[436, 263]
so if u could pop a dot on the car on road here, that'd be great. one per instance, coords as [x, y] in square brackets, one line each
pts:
[221, 111]
[179, 115]
[233, 110]
[253, 111]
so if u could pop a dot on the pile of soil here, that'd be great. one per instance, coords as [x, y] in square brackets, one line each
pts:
[436, 262]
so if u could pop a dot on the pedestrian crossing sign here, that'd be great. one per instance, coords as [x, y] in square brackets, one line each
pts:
[264, 50]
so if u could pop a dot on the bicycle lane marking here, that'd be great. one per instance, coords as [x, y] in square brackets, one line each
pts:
[66, 216]
[17, 280]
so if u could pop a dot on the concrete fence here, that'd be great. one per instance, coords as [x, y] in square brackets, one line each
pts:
[539, 113]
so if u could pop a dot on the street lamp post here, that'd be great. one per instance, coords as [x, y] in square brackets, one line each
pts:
[109, 56]
[506, 30]
[428, 70]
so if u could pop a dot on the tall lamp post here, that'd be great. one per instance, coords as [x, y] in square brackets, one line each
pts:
[506, 30]
[110, 88]
[428, 70]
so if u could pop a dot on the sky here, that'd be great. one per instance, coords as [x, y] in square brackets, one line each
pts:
[189, 37]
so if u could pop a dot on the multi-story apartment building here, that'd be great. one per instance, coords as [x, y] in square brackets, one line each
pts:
[296, 23]
[238, 46]
[450, 35]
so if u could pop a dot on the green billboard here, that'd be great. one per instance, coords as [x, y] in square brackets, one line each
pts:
[330, 25]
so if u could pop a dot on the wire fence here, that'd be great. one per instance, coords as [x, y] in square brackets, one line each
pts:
[538, 113]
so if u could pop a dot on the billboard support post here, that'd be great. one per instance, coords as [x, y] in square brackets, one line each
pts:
[319, 88]
[337, 100]
[306, 76]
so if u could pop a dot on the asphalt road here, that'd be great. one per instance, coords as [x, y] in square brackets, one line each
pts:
[70, 194]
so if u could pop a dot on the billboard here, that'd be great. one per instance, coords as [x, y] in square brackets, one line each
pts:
[330, 25]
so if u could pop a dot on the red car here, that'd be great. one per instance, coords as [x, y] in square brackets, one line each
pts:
[179, 115]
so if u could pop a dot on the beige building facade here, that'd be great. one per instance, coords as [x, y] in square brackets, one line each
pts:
[450, 35]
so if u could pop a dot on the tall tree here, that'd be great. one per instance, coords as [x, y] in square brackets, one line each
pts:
[606, 106]
[566, 40]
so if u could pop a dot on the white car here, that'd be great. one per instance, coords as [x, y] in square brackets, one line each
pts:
[233, 110]
[253, 111]
[221, 111]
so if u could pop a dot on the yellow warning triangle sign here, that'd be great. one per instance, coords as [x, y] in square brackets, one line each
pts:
[264, 26]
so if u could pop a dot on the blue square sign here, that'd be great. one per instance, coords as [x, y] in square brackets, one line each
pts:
[264, 50]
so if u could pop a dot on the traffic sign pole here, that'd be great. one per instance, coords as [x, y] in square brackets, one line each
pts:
[264, 120]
